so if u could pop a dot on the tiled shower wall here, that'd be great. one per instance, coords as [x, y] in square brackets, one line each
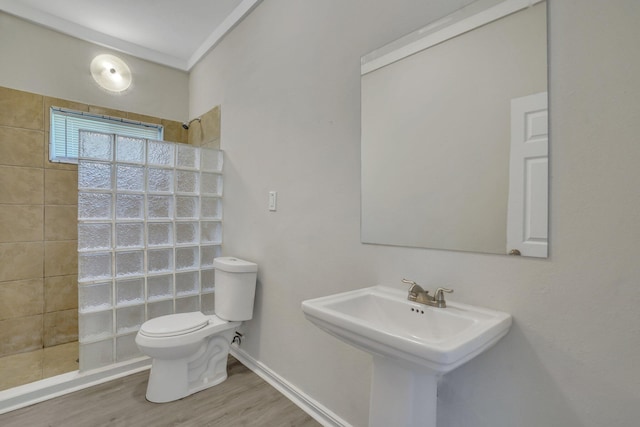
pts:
[38, 228]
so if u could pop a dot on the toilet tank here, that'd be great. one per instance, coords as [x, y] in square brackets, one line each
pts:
[235, 285]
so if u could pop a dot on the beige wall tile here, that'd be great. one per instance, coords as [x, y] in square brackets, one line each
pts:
[21, 109]
[21, 298]
[107, 111]
[60, 293]
[21, 223]
[60, 359]
[20, 334]
[23, 260]
[60, 327]
[60, 187]
[174, 132]
[211, 144]
[61, 222]
[21, 186]
[207, 131]
[21, 147]
[145, 119]
[60, 258]
[19, 369]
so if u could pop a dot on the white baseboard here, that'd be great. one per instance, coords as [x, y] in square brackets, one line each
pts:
[39, 391]
[319, 412]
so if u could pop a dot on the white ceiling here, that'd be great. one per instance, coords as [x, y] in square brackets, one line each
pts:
[169, 32]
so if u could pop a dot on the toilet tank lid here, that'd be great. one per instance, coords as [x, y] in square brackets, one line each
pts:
[174, 324]
[234, 265]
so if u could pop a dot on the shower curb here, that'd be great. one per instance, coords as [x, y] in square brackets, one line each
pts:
[48, 388]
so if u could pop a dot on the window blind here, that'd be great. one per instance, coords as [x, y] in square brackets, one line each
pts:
[66, 126]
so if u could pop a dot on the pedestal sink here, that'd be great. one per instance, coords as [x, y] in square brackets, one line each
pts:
[412, 345]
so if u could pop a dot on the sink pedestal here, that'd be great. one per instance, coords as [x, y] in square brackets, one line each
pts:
[402, 396]
[412, 346]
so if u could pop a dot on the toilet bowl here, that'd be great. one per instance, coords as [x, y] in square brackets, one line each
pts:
[189, 350]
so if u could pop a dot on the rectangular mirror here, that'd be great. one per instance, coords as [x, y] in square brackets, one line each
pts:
[454, 133]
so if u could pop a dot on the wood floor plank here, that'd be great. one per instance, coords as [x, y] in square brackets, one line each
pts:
[244, 399]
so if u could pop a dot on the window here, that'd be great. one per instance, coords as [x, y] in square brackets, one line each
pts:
[66, 126]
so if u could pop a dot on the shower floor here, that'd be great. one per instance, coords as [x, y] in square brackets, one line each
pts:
[24, 368]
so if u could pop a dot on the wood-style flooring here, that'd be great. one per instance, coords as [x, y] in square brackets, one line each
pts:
[244, 399]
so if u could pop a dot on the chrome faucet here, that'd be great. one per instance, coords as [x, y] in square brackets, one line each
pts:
[419, 295]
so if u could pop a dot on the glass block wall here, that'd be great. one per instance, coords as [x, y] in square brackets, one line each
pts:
[149, 227]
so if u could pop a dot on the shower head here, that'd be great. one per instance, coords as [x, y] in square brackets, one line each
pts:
[186, 125]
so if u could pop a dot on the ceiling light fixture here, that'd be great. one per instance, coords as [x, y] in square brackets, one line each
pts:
[111, 73]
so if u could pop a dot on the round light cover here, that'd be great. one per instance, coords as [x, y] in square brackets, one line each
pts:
[111, 73]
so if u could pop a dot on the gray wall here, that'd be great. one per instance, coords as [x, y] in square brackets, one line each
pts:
[289, 85]
[38, 60]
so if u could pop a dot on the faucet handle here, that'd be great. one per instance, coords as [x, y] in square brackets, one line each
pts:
[439, 296]
[414, 290]
[414, 286]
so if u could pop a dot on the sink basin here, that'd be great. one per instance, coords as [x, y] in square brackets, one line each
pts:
[412, 345]
[382, 321]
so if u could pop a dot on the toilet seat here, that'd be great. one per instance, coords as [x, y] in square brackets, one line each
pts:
[174, 324]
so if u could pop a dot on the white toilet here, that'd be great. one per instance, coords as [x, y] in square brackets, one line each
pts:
[189, 350]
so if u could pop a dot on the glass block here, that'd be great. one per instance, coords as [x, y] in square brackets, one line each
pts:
[211, 184]
[208, 253]
[97, 146]
[187, 182]
[207, 279]
[129, 206]
[187, 233]
[160, 308]
[129, 292]
[210, 160]
[187, 258]
[160, 153]
[188, 157]
[187, 283]
[211, 208]
[208, 303]
[186, 207]
[159, 234]
[159, 180]
[130, 178]
[129, 319]
[130, 235]
[94, 297]
[95, 326]
[160, 207]
[130, 150]
[94, 206]
[159, 260]
[188, 304]
[126, 348]
[211, 232]
[159, 287]
[94, 175]
[96, 354]
[94, 236]
[130, 263]
[94, 266]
